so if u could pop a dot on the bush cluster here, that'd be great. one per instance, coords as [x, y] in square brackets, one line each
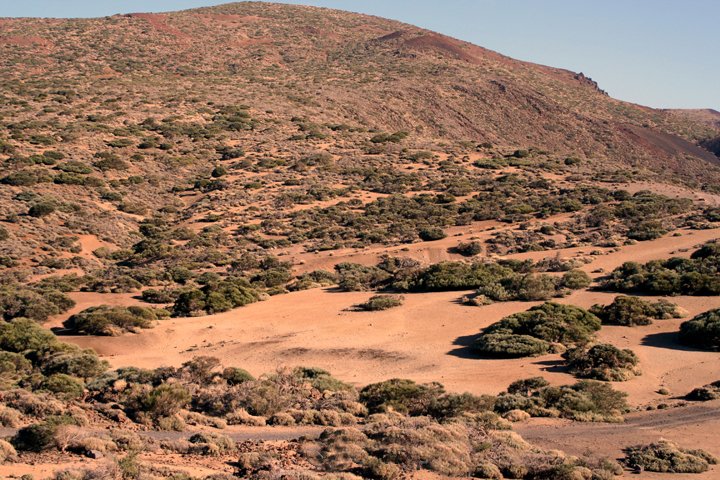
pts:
[705, 393]
[586, 400]
[392, 446]
[697, 275]
[702, 330]
[668, 457]
[494, 281]
[32, 357]
[381, 302]
[37, 301]
[537, 331]
[632, 311]
[602, 362]
[109, 320]
[215, 297]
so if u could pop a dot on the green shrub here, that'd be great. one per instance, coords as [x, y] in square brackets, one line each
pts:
[13, 368]
[698, 275]
[400, 395]
[355, 277]
[586, 400]
[602, 362]
[387, 137]
[381, 302]
[575, 280]
[631, 311]
[22, 334]
[527, 386]
[63, 386]
[236, 376]
[647, 230]
[109, 320]
[320, 379]
[73, 166]
[164, 400]
[41, 209]
[705, 393]
[510, 345]
[469, 249]
[159, 296]
[26, 178]
[667, 457]
[430, 234]
[314, 279]
[216, 297]
[530, 287]
[78, 363]
[548, 323]
[702, 331]
[40, 436]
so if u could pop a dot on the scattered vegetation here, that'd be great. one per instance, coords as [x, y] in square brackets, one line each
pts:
[697, 275]
[667, 457]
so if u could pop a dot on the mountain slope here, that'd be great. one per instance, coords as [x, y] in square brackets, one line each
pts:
[333, 66]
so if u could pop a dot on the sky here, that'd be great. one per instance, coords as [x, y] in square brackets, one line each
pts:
[660, 53]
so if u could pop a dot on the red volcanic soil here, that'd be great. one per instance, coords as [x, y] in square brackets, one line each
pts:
[159, 23]
[666, 143]
[26, 41]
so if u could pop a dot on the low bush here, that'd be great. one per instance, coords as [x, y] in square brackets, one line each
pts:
[392, 446]
[702, 331]
[602, 362]
[575, 280]
[314, 279]
[381, 302]
[41, 436]
[215, 297]
[469, 249]
[430, 234]
[510, 345]
[63, 386]
[667, 457]
[109, 320]
[705, 393]
[400, 395]
[42, 209]
[586, 400]
[159, 296]
[697, 275]
[534, 331]
[355, 277]
[408, 397]
[631, 311]
[162, 401]
[38, 302]
[236, 376]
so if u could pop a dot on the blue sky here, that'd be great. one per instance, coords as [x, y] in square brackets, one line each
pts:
[662, 53]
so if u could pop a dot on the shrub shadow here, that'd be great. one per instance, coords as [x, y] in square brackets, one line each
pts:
[465, 347]
[553, 366]
[669, 340]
